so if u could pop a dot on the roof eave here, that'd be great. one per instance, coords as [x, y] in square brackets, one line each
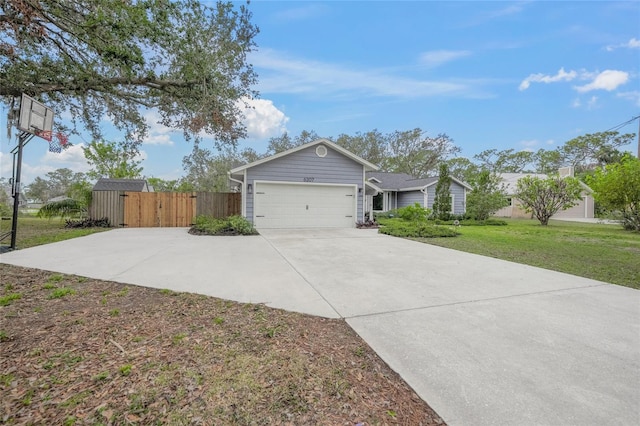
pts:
[367, 165]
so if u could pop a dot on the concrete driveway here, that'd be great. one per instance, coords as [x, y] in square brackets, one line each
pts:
[483, 341]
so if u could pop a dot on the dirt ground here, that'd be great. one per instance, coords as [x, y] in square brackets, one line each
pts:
[82, 351]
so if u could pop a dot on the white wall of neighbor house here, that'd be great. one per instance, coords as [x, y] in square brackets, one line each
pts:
[306, 167]
[585, 208]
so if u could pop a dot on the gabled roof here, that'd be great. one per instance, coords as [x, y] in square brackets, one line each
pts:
[367, 165]
[132, 185]
[405, 182]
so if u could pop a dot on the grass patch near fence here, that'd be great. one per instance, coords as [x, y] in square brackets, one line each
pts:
[35, 231]
[601, 252]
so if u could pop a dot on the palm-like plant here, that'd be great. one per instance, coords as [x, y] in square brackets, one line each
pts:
[64, 209]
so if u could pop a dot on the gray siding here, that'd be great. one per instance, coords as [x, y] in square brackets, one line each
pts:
[458, 192]
[409, 198]
[333, 168]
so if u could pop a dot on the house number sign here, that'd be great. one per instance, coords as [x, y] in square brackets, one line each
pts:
[308, 179]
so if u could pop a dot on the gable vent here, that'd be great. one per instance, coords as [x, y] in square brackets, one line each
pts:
[321, 151]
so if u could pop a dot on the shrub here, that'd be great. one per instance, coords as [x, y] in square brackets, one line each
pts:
[232, 225]
[385, 215]
[5, 210]
[241, 225]
[414, 213]
[405, 229]
[63, 208]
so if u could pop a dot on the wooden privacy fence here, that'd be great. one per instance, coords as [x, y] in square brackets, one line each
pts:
[158, 209]
[161, 209]
[218, 204]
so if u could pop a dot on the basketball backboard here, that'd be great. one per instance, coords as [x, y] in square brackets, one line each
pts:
[35, 118]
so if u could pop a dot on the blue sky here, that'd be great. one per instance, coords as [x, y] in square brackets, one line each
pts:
[521, 75]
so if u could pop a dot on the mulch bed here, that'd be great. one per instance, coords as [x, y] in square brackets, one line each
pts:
[83, 351]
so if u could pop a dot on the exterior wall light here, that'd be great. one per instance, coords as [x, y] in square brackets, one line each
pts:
[249, 189]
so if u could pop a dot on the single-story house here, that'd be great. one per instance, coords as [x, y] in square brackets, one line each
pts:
[130, 185]
[585, 208]
[9, 198]
[400, 190]
[315, 185]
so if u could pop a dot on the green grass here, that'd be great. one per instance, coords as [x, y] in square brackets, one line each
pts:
[8, 298]
[601, 252]
[61, 292]
[34, 231]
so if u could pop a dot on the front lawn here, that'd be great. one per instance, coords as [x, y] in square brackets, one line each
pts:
[601, 252]
[35, 231]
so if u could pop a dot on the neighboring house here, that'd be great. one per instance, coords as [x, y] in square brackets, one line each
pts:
[131, 185]
[58, 198]
[8, 196]
[316, 185]
[398, 190]
[585, 208]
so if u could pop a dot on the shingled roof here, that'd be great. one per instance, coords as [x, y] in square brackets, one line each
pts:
[132, 185]
[399, 181]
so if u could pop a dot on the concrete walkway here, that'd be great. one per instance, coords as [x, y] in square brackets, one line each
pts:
[483, 341]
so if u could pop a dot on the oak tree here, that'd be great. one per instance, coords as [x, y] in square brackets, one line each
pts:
[113, 59]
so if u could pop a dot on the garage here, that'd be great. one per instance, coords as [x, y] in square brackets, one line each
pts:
[304, 205]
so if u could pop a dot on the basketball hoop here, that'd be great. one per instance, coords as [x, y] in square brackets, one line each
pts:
[35, 118]
[57, 140]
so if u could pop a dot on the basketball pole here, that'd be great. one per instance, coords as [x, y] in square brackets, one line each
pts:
[23, 138]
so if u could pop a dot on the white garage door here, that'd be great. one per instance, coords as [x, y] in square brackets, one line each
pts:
[285, 205]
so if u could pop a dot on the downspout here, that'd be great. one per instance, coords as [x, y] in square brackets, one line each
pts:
[242, 193]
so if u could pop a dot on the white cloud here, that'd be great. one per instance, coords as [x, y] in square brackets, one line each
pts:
[562, 75]
[607, 80]
[435, 58]
[550, 142]
[72, 158]
[576, 103]
[633, 43]
[592, 103]
[282, 74]
[633, 96]
[158, 133]
[529, 144]
[263, 119]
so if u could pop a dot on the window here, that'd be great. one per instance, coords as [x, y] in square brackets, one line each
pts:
[378, 202]
[453, 203]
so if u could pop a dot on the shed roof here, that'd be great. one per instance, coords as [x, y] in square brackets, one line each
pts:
[133, 185]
